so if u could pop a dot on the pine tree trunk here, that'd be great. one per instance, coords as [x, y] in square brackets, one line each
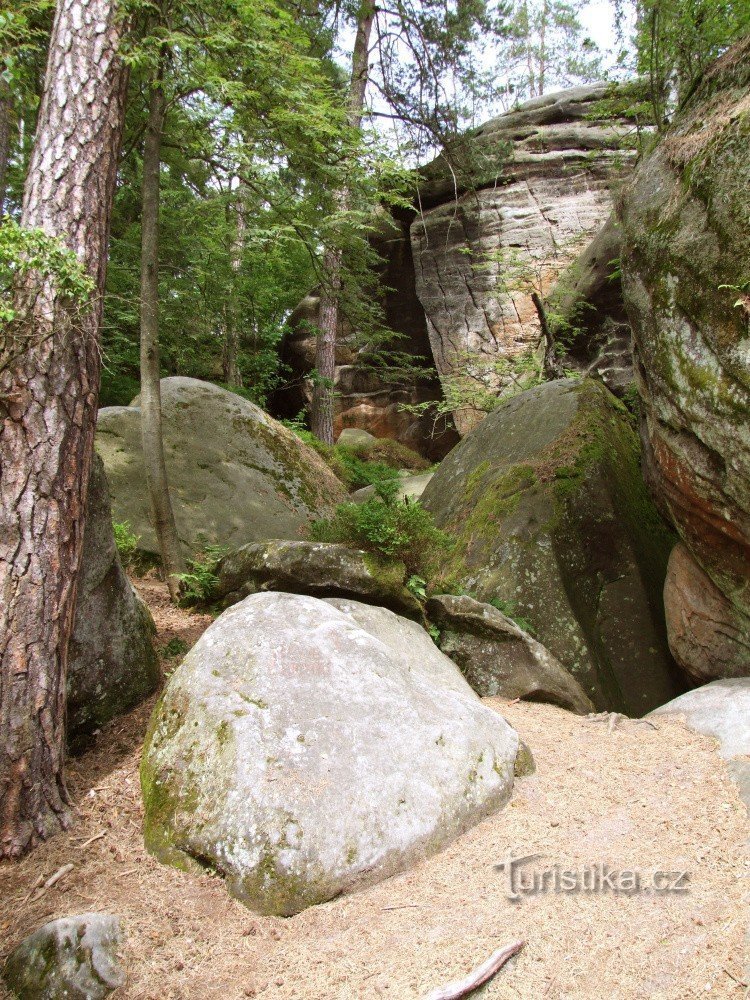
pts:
[230, 370]
[321, 416]
[5, 129]
[49, 386]
[151, 423]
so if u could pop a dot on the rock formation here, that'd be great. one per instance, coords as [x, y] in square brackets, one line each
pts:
[685, 271]
[520, 199]
[236, 475]
[304, 748]
[538, 186]
[551, 516]
[112, 664]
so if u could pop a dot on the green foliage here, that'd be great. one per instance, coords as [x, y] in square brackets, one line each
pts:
[509, 609]
[417, 585]
[176, 647]
[398, 530]
[363, 465]
[199, 583]
[25, 252]
[126, 542]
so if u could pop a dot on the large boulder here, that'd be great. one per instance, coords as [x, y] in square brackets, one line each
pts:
[498, 658]
[685, 267]
[306, 747]
[72, 958]
[708, 636]
[551, 516]
[721, 709]
[320, 569]
[112, 664]
[235, 474]
[510, 207]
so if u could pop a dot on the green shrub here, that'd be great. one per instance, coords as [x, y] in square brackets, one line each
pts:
[126, 542]
[200, 581]
[175, 647]
[117, 389]
[508, 608]
[397, 530]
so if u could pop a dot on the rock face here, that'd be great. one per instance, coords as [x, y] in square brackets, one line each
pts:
[235, 474]
[708, 636]
[721, 709]
[305, 747]
[537, 187]
[498, 658]
[320, 569]
[73, 958]
[547, 504]
[686, 260]
[112, 665]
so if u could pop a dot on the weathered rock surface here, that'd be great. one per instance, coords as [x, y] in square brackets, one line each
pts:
[537, 187]
[708, 636]
[112, 664]
[686, 259]
[235, 474]
[355, 436]
[498, 658]
[321, 569]
[550, 513]
[73, 958]
[305, 747]
[721, 709]
[410, 487]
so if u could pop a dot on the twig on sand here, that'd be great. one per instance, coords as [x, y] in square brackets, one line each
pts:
[480, 975]
[60, 873]
[613, 720]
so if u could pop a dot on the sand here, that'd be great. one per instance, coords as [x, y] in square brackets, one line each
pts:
[633, 798]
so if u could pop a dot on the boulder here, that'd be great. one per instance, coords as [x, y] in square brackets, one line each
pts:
[721, 709]
[708, 636]
[355, 436]
[410, 488]
[112, 664]
[321, 569]
[72, 958]
[521, 198]
[685, 267]
[498, 658]
[306, 747]
[550, 513]
[235, 474]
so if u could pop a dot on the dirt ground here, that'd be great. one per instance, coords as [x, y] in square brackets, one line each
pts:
[634, 798]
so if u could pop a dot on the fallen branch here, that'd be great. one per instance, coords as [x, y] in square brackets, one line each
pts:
[481, 975]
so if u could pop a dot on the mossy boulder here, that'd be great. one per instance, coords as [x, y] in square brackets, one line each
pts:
[498, 658]
[321, 569]
[551, 516]
[235, 474]
[304, 748]
[686, 278]
[112, 663]
[72, 958]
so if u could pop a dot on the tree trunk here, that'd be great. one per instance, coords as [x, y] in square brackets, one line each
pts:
[151, 423]
[328, 317]
[230, 371]
[5, 129]
[49, 386]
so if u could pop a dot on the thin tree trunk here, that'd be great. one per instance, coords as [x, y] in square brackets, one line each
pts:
[230, 371]
[551, 366]
[5, 129]
[49, 386]
[151, 424]
[328, 318]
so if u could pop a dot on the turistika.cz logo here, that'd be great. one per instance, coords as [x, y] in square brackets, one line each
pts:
[522, 879]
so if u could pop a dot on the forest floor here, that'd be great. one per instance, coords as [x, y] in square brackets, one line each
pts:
[634, 798]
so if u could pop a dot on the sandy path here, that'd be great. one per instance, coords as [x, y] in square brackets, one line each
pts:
[635, 798]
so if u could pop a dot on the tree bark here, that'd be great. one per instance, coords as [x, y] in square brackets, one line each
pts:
[230, 370]
[5, 129]
[49, 386]
[321, 417]
[151, 423]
